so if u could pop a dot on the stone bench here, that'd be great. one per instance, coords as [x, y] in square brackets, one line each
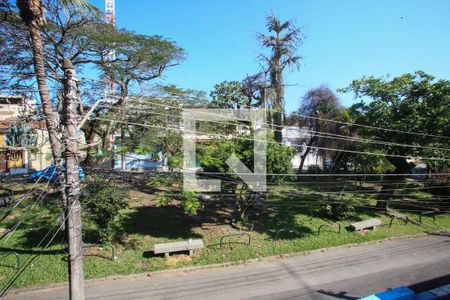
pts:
[167, 248]
[366, 224]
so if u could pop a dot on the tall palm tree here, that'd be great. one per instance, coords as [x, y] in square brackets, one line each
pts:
[283, 46]
[32, 14]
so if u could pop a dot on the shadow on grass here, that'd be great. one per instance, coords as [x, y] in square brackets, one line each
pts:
[169, 222]
[285, 219]
[31, 251]
[151, 254]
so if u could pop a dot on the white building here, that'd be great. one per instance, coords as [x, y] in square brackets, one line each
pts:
[298, 138]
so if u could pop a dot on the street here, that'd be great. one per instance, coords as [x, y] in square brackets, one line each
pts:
[340, 273]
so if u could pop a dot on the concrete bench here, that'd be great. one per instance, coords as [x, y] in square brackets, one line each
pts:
[366, 224]
[167, 248]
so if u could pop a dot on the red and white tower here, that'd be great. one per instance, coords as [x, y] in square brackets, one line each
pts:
[110, 17]
[110, 12]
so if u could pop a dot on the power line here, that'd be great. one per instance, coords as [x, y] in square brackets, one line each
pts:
[24, 196]
[374, 127]
[321, 134]
[243, 138]
[31, 259]
[326, 175]
[23, 218]
[347, 123]
[314, 133]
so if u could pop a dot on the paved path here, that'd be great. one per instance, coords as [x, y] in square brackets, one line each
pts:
[341, 273]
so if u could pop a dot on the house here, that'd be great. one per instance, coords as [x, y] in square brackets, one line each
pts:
[23, 139]
[298, 137]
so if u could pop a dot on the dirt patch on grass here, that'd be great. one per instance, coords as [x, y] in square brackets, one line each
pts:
[211, 230]
[172, 261]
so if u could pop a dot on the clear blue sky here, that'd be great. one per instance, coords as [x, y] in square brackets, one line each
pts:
[344, 39]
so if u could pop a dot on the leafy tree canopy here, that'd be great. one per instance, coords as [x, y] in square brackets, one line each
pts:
[415, 103]
[229, 94]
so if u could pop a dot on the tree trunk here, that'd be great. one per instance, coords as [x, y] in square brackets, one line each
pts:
[31, 12]
[302, 160]
[89, 133]
[278, 121]
[50, 116]
[401, 167]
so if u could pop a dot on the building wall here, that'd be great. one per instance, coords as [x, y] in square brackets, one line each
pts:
[297, 137]
[37, 158]
[14, 106]
[43, 157]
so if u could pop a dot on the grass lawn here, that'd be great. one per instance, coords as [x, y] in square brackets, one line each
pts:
[145, 225]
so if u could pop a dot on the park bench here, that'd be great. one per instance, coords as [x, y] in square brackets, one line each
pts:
[366, 224]
[167, 248]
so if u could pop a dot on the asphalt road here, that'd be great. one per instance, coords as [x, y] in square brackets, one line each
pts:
[340, 273]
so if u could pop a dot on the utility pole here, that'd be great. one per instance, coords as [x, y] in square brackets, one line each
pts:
[72, 184]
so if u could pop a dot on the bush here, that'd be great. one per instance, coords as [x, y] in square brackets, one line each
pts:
[173, 183]
[102, 201]
[213, 156]
[337, 210]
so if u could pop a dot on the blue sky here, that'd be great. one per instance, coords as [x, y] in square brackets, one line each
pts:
[344, 39]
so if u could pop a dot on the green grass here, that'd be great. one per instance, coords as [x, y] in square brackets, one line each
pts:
[145, 225]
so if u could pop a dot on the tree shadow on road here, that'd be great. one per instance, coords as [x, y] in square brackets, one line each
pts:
[340, 295]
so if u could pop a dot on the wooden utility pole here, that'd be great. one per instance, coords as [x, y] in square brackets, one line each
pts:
[72, 183]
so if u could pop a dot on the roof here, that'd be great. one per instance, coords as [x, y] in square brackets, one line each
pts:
[34, 124]
[11, 99]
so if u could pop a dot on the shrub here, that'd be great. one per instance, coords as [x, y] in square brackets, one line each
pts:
[337, 210]
[173, 183]
[102, 201]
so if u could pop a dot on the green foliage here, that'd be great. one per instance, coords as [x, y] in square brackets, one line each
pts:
[279, 160]
[103, 201]
[370, 164]
[337, 210]
[229, 94]
[20, 135]
[142, 235]
[139, 58]
[415, 103]
[212, 156]
[172, 182]
[190, 202]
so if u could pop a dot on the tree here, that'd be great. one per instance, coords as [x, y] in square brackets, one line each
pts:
[88, 42]
[283, 46]
[32, 14]
[61, 36]
[103, 202]
[159, 117]
[212, 157]
[229, 94]
[138, 60]
[414, 109]
[319, 103]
